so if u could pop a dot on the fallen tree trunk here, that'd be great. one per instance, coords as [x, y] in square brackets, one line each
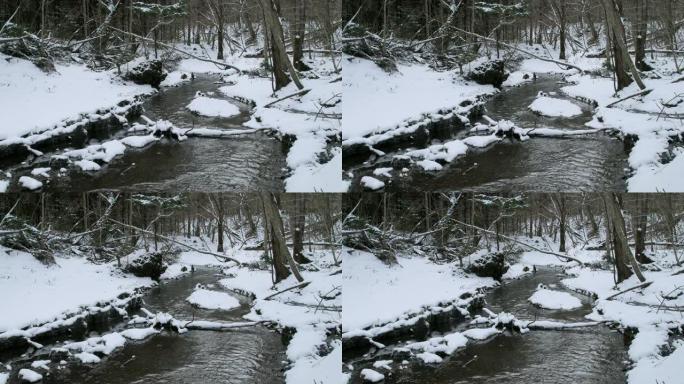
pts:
[642, 285]
[220, 63]
[513, 47]
[521, 243]
[217, 255]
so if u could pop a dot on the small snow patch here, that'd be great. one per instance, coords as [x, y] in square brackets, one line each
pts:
[372, 376]
[207, 299]
[207, 106]
[546, 298]
[30, 376]
[429, 358]
[30, 183]
[372, 183]
[430, 166]
[87, 165]
[548, 106]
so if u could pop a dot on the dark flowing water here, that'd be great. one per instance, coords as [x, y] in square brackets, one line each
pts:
[250, 355]
[583, 163]
[582, 356]
[237, 163]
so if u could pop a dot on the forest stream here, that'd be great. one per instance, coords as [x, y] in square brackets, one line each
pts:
[250, 355]
[592, 162]
[234, 163]
[590, 355]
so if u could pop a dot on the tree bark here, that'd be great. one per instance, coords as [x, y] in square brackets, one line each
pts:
[281, 63]
[623, 254]
[281, 254]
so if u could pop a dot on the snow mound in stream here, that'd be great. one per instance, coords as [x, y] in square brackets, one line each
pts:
[548, 106]
[207, 106]
[548, 299]
[207, 299]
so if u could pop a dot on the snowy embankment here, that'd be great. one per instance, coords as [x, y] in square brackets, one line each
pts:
[371, 289]
[654, 120]
[402, 102]
[654, 311]
[36, 105]
[314, 312]
[313, 120]
[33, 294]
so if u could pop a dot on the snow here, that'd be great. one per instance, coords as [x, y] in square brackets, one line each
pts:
[30, 183]
[87, 165]
[315, 177]
[30, 376]
[371, 288]
[4, 378]
[372, 183]
[66, 94]
[666, 369]
[552, 107]
[40, 172]
[384, 364]
[305, 343]
[207, 106]
[372, 376]
[43, 364]
[641, 117]
[550, 299]
[312, 325]
[397, 97]
[480, 333]
[648, 342]
[3, 186]
[175, 78]
[138, 333]
[429, 358]
[429, 165]
[87, 358]
[75, 281]
[138, 141]
[208, 299]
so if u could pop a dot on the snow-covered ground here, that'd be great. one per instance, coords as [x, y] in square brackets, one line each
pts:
[372, 288]
[377, 102]
[33, 101]
[75, 95]
[314, 312]
[32, 293]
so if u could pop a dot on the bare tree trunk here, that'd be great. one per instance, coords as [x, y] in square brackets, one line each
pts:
[622, 58]
[281, 254]
[299, 32]
[297, 224]
[623, 254]
[281, 63]
[640, 32]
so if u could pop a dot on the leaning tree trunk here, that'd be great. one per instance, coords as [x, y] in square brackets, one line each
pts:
[622, 58]
[623, 254]
[281, 63]
[278, 245]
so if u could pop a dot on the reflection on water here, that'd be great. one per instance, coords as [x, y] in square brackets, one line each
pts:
[245, 162]
[540, 164]
[244, 356]
[583, 356]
